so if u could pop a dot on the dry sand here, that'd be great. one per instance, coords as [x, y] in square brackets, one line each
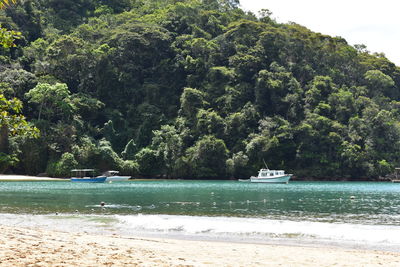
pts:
[35, 247]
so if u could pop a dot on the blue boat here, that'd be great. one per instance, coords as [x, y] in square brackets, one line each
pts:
[86, 176]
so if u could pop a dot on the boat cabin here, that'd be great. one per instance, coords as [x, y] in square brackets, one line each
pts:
[82, 173]
[111, 173]
[270, 173]
[397, 176]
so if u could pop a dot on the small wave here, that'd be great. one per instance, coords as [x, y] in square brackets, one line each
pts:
[261, 228]
[218, 228]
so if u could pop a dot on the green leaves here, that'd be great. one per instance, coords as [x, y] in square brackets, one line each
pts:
[11, 118]
[53, 100]
[379, 83]
[6, 3]
[169, 146]
[12, 125]
[207, 158]
[191, 101]
[200, 87]
[7, 37]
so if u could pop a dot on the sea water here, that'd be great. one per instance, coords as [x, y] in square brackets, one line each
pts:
[350, 214]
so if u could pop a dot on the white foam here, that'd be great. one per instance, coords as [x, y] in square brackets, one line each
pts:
[255, 228]
[218, 228]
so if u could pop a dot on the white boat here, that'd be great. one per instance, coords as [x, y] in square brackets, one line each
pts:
[270, 176]
[113, 176]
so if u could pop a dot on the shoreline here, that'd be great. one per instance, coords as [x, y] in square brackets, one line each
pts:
[199, 228]
[27, 178]
[22, 246]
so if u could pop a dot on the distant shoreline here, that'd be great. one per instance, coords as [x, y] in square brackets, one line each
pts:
[28, 178]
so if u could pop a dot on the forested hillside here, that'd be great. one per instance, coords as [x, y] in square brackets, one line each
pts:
[191, 89]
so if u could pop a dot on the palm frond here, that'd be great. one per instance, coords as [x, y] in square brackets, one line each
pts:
[6, 3]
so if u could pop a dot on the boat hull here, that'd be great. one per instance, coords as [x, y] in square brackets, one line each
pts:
[89, 180]
[117, 178]
[274, 180]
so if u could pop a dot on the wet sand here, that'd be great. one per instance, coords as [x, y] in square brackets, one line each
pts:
[36, 247]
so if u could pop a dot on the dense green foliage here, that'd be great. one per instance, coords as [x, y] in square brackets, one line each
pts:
[195, 89]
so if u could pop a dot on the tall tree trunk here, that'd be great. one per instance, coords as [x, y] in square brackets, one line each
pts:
[4, 148]
[4, 142]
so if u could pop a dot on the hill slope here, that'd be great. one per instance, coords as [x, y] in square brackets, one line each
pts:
[195, 89]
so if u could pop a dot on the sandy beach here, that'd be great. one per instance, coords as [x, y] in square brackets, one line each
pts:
[25, 178]
[37, 247]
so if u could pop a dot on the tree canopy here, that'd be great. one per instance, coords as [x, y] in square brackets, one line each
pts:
[193, 89]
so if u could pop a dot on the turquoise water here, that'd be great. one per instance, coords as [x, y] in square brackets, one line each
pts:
[332, 212]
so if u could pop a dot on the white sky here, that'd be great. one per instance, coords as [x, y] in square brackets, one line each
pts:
[373, 23]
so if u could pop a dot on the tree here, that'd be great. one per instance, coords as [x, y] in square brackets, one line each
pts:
[149, 162]
[191, 101]
[12, 123]
[276, 91]
[19, 80]
[319, 90]
[129, 151]
[261, 147]
[210, 123]
[380, 83]
[240, 167]
[7, 37]
[53, 100]
[63, 167]
[198, 87]
[169, 146]
[318, 139]
[69, 61]
[207, 158]
[6, 3]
